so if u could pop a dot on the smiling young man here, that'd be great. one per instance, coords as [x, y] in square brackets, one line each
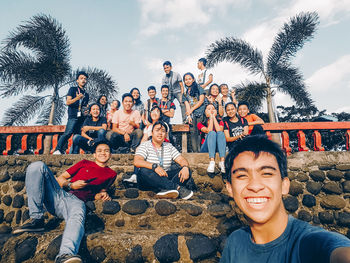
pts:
[84, 181]
[256, 174]
[154, 158]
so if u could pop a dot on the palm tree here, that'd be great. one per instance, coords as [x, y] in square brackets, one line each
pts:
[34, 63]
[278, 73]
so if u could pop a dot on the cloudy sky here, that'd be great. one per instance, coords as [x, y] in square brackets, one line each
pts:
[131, 39]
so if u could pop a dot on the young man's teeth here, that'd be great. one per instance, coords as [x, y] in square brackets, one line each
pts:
[256, 200]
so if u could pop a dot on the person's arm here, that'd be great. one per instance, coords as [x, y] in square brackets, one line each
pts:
[216, 124]
[103, 195]
[184, 173]
[340, 255]
[257, 120]
[63, 181]
[182, 87]
[210, 80]
[234, 138]
[136, 120]
[140, 162]
[198, 104]
[220, 106]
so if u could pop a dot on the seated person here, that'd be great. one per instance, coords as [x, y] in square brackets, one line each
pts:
[213, 137]
[84, 181]
[150, 103]
[126, 130]
[154, 158]
[235, 128]
[167, 106]
[154, 116]
[94, 128]
[257, 178]
[254, 121]
[103, 103]
[215, 98]
[113, 108]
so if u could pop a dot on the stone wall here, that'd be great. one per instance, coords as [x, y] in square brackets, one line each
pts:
[137, 227]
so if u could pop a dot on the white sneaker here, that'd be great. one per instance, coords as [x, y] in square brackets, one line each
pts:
[57, 152]
[222, 167]
[131, 179]
[211, 167]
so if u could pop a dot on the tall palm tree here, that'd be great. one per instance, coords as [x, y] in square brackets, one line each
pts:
[35, 63]
[278, 71]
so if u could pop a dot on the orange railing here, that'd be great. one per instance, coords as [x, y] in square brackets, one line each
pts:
[283, 128]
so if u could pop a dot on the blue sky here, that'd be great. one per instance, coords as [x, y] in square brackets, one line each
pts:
[131, 39]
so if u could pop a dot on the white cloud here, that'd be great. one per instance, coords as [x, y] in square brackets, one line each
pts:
[160, 15]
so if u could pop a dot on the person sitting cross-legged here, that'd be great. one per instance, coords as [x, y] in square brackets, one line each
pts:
[84, 181]
[94, 128]
[154, 158]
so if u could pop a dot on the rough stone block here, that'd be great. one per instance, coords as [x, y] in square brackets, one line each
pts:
[1, 216]
[19, 186]
[327, 166]
[318, 175]
[7, 200]
[18, 176]
[219, 209]
[5, 188]
[333, 202]
[347, 175]
[343, 167]
[11, 162]
[304, 215]
[8, 218]
[291, 203]
[53, 248]
[309, 200]
[4, 176]
[316, 220]
[166, 248]
[331, 188]
[18, 201]
[5, 229]
[135, 207]
[346, 186]
[25, 215]
[314, 187]
[165, 208]
[26, 249]
[98, 254]
[296, 188]
[335, 175]
[135, 255]
[326, 217]
[18, 216]
[191, 209]
[302, 177]
[200, 247]
[110, 207]
[120, 222]
[90, 205]
[68, 162]
[344, 219]
[131, 193]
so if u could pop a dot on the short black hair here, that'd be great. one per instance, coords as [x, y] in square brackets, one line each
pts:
[151, 88]
[127, 95]
[98, 142]
[203, 60]
[162, 123]
[212, 85]
[93, 104]
[256, 144]
[164, 87]
[168, 63]
[243, 103]
[230, 103]
[82, 73]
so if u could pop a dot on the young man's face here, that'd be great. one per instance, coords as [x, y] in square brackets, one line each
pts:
[243, 111]
[102, 153]
[152, 93]
[95, 111]
[257, 187]
[167, 69]
[127, 103]
[159, 134]
[165, 93]
[199, 64]
[81, 80]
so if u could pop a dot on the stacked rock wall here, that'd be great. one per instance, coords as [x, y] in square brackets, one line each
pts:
[137, 227]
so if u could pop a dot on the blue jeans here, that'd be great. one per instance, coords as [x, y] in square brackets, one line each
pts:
[178, 96]
[73, 127]
[43, 190]
[214, 141]
[81, 142]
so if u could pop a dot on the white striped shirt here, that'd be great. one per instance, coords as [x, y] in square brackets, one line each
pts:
[148, 152]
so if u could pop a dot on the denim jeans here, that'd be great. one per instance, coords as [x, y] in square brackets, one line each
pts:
[81, 142]
[214, 141]
[43, 190]
[178, 96]
[194, 135]
[117, 140]
[147, 179]
[73, 127]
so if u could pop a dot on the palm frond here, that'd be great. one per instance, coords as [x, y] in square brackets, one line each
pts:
[235, 50]
[99, 83]
[253, 93]
[44, 116]
[23, 110]
[291, 38]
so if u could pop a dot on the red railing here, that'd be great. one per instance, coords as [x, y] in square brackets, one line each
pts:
[283, 128]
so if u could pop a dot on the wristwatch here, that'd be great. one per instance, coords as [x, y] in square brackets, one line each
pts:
[154, 166]
[69, 186]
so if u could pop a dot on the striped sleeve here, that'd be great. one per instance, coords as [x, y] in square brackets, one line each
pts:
[142, 150]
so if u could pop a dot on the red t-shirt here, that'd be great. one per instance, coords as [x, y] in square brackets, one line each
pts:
[250, 118]
[85, 170]
[200, 125]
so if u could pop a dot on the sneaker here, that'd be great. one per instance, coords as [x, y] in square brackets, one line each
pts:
[57, 152]
[131, 179]
[184, 193]
[171, 194]
[65, 258]
[222, 167]
[34, 225]
[211, 167]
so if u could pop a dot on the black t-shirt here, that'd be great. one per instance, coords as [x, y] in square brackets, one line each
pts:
[73, 108]
[89, 122]
[167, 105]
[234, 128]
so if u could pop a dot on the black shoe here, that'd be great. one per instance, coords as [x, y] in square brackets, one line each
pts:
[65, 258]
[184, 193]
[34, 225]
